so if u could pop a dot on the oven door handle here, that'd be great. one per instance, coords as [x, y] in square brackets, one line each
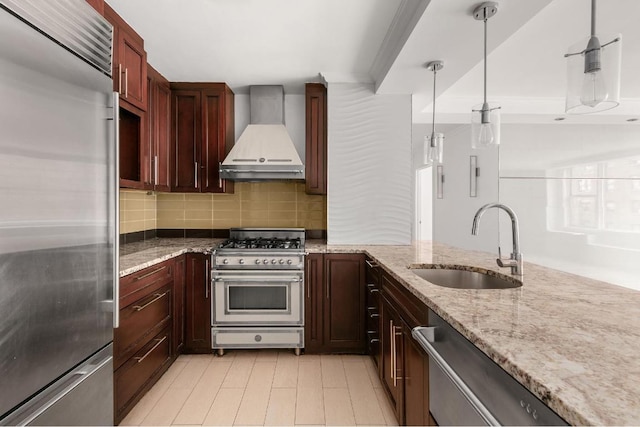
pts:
[257, 279]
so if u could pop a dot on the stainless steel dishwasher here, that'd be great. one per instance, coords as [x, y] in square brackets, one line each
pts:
[468, 388]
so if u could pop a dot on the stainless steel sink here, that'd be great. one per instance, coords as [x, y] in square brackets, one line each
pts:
[465, 279]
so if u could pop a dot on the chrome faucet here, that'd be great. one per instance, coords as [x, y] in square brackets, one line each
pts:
[515, 261]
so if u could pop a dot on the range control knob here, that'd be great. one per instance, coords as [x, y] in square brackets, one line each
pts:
[265, 261]
[240, 261]
[225, 261]
[289, 262]
[257, 261]
[273, 261]
[281, 261]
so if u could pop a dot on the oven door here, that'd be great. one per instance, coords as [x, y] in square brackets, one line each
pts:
[243, 298]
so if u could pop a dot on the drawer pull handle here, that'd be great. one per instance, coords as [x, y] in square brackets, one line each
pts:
[371, 264]
[158, 342]
[152, 273]
[372, 288]
[142, 307]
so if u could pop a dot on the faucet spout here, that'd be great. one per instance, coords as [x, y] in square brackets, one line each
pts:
[515, 261]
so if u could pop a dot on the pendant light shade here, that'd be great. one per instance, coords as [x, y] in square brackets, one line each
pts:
[434, 143]
[485, 117]
[593, 72]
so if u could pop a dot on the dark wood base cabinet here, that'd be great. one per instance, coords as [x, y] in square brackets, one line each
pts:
[143, 345]
[140, 372]
[198, 304]
[404, 367]
[334, 297]
[372, 312]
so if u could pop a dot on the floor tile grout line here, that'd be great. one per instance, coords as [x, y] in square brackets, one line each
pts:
[244, 390]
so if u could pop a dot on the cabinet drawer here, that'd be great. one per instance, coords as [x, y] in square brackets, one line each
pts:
[138, 285]
[140, 320]
[257, 337]
[141, 370]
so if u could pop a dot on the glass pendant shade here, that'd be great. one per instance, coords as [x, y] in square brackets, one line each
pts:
[433, 149]
[487, 134]
[591, 89]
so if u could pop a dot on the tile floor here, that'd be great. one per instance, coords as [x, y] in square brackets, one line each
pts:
[266, 388]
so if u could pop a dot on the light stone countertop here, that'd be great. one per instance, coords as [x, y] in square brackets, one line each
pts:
[572, 341]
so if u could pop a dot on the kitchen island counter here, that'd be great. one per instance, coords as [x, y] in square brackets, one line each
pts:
[572, 341]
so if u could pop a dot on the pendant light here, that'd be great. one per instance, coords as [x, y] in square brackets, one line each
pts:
[485, 117]
[433, 144]
[593, 74]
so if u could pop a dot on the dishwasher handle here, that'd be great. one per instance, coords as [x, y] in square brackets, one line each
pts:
[425, 336]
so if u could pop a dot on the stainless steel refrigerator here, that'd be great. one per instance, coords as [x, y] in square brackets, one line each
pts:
[58, 214]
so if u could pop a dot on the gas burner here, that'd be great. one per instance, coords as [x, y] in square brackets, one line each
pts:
[262, 243]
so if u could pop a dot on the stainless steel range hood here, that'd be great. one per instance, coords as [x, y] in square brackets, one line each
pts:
[264, 151]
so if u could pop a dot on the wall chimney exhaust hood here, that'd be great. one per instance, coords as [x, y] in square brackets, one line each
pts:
[264, 151]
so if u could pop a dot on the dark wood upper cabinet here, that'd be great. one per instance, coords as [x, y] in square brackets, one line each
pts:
[134, 151]
[334, 304]
[129, 62]
[129, 72]
[316, 138]
[202, 132]
[159, 130]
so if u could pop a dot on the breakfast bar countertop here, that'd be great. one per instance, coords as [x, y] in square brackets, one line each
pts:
[572, 341]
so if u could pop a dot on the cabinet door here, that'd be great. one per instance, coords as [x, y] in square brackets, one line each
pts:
[178, 306]
[132, 68]
[162, 115]
[344, 298]
[392, 357]
[213, 144]
[416, 381]
[314, 280]
[185, 118]
[198, 304]
[316, 138]
[150, 127]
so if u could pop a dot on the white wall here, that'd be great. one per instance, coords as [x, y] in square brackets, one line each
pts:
[576, 190]
[369, 166]
[294, 118]
[453, 214]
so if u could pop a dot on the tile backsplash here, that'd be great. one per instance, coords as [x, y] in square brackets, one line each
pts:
[254, 204]
[138, 211]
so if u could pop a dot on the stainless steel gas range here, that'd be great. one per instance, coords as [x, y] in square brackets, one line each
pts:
[258, 289]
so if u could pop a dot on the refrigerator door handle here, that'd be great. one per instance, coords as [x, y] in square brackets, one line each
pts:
[116, 203]
[65, 386]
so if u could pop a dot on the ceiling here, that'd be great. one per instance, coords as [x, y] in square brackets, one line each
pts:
[387, 42]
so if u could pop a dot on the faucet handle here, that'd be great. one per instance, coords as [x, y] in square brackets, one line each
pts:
[499, 252]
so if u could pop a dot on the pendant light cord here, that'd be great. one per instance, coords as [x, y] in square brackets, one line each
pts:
[485, 56]
[593, 18]
[433, 120]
